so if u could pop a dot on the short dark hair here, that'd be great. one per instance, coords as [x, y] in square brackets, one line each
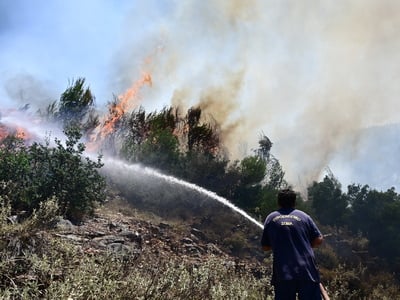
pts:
[286, 198]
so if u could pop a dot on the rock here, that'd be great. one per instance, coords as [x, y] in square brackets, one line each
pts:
[119, 248]
[194, 238]
[94, 234]
[211, 248]
[12, 219]
[109, 239]
[132, 236]
[73, 237]
[64, 225]
[163, 225]
[198, 233]
[186, 240]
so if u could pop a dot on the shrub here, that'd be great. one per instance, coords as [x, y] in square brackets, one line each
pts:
[45, 172]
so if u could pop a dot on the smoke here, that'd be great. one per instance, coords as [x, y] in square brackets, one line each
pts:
[312, 75]
[25, 89]
[309, 74]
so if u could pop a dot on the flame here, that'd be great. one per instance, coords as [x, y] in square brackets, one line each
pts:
[9, 125]
[17, 131]
[22, 133]
[3, 132]
[126, 102]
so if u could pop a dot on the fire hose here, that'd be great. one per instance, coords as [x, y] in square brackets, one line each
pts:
[324, 293]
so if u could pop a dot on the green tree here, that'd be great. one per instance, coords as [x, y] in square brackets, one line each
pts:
[151, 139]
[201, 137]
[205, 170]
[252, 170]
[275, 176]
[73, 179]
[14, 168]
[75, 108]
[39, 172]
[328, 201]
[181, 146]
[375, 214]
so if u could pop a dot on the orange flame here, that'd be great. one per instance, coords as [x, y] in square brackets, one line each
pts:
[3, 132]
[18, 132]
[126, 102]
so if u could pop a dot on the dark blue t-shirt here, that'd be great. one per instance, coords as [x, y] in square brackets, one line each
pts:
[290, 232]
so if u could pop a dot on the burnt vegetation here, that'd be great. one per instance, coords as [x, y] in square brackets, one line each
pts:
[42, 184]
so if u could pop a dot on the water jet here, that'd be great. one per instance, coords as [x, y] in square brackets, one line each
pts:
[114, 168]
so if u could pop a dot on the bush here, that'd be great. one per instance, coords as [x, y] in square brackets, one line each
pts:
[45, 172]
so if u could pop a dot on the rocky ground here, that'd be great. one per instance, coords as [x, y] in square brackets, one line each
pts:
[146, 240]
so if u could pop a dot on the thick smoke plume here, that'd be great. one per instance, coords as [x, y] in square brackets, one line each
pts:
[309, 74]
[317, 77]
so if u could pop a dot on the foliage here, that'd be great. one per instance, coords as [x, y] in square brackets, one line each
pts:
[75, 108]
[37, 264]
[150, 139]
[183, 146]
[58, 180]
[201, 137]
[382, 210]
[367, 212]
[275, 176]
[328, 202]
[42, 266]
[252, 169]
[41, 172]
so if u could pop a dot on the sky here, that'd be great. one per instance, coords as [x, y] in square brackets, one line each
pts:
[319, 78]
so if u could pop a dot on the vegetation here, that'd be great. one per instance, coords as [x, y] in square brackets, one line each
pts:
[31, 175]
[41, 182]
[36, 265]
[368, 213]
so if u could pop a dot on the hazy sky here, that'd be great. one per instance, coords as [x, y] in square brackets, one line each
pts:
[312, 75]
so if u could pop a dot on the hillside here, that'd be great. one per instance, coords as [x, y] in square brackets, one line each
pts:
[123, 253]
[121, 229]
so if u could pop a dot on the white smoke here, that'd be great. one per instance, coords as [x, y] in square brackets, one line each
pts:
[309, 74]
[312, 75]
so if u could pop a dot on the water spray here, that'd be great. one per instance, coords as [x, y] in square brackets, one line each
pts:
[37, 130]
[115, 163]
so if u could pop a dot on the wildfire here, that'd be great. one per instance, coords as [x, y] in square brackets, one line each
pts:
[18, 132]
[22, 133]
[126, 102]
[3, 132]
[9, 127]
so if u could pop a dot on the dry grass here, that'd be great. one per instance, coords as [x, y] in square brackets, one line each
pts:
[37, 264]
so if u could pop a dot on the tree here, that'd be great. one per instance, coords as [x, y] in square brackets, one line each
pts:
[39, 172]
[375, 214]
[181, 146]
[252, 171]
[73, 179]
[201, 137]
[328, 201]
[14, 168]
[151, 139]
[265, 146]
[275, 176]
[75, 108]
